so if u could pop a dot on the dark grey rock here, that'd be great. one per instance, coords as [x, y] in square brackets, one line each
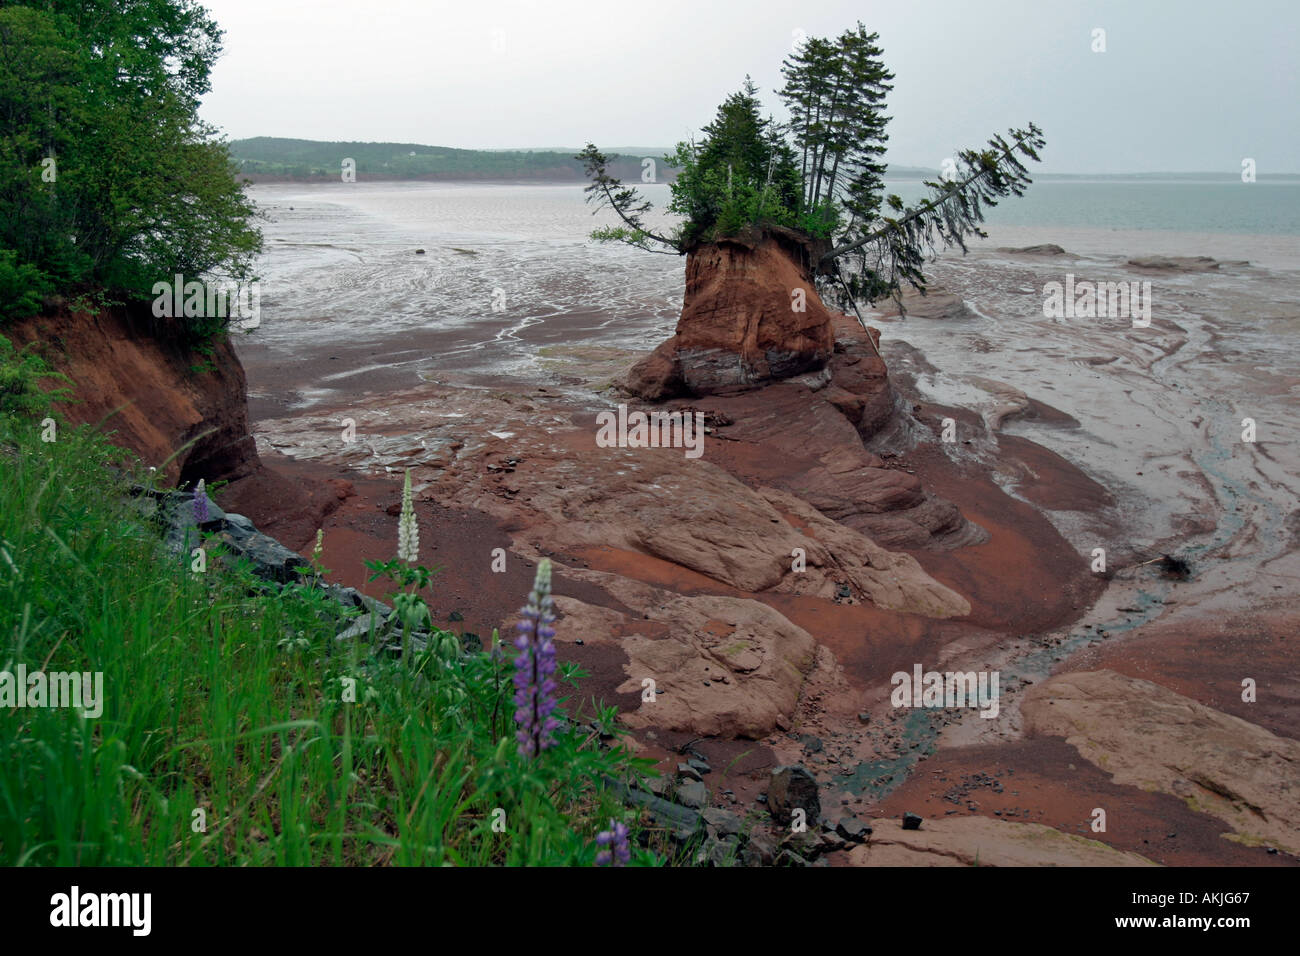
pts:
[681, 823]
[271, 560]
[419, 643]
[715, 852]
[853, 829]
[375, 607]
[699, 766]
[911, 821]
[183, 533]
[145, 506]
[831, 841]
[686, 772]
[790, 788]
[760, 850]
[721, 852]
[360, 628]
[239, 522]
[693, 794]
[811, 744]
[724, 821]
[179, 510]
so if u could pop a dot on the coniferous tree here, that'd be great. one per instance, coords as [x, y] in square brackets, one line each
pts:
[821, 174]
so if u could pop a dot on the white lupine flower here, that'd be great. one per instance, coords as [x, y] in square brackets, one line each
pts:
[408, 533]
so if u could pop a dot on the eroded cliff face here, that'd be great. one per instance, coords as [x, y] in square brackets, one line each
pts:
[751, 314]
[136, 380]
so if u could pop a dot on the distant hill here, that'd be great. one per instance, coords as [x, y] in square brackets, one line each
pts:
[272, 158]
[654, 151]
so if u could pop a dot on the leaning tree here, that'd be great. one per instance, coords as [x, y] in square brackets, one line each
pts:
[819, 177]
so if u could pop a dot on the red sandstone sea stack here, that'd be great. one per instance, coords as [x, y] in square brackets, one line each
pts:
[751, 314]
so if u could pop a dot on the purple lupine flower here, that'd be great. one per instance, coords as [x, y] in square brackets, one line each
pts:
[200, 503]
[535, 667]
[615, 839]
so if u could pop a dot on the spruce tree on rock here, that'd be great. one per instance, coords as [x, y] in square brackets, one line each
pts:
[820, 176]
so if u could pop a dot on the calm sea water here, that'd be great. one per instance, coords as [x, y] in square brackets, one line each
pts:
[1258, 208]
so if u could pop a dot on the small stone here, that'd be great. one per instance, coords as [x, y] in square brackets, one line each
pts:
[724, 821]
[722, 852]
[832, 841]
[759, 851]
[360, 628]
[790, 788]
[692, 794]
[686, 772]
[864, 718]
[852, 829]
[790, 858]
[911, 821]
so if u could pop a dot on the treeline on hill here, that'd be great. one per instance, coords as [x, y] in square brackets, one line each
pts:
[108, 178]
[263, 158]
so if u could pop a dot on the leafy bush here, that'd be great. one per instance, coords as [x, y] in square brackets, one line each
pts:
[22, 286]
[107, 174]
[21, 374]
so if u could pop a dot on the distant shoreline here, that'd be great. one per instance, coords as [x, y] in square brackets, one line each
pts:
[258, 179]
[1181, 179]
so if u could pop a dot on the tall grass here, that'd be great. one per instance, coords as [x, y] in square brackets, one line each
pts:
[225, 737]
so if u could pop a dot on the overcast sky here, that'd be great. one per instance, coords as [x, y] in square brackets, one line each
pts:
[1183, 85]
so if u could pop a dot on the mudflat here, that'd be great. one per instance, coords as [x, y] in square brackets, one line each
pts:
[773, 587]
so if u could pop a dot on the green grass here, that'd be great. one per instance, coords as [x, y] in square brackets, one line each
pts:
[225, 697]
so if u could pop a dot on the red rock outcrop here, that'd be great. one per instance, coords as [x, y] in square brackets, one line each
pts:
[751, 314]
[1151, 737]
[752, 318]
[135, 375]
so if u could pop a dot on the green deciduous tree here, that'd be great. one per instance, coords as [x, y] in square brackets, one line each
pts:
[107, 175]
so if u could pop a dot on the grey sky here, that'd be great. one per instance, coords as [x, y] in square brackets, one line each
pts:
[1184, 85]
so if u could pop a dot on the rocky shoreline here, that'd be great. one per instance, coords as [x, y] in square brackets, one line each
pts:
[916, 550]
[828, 538]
